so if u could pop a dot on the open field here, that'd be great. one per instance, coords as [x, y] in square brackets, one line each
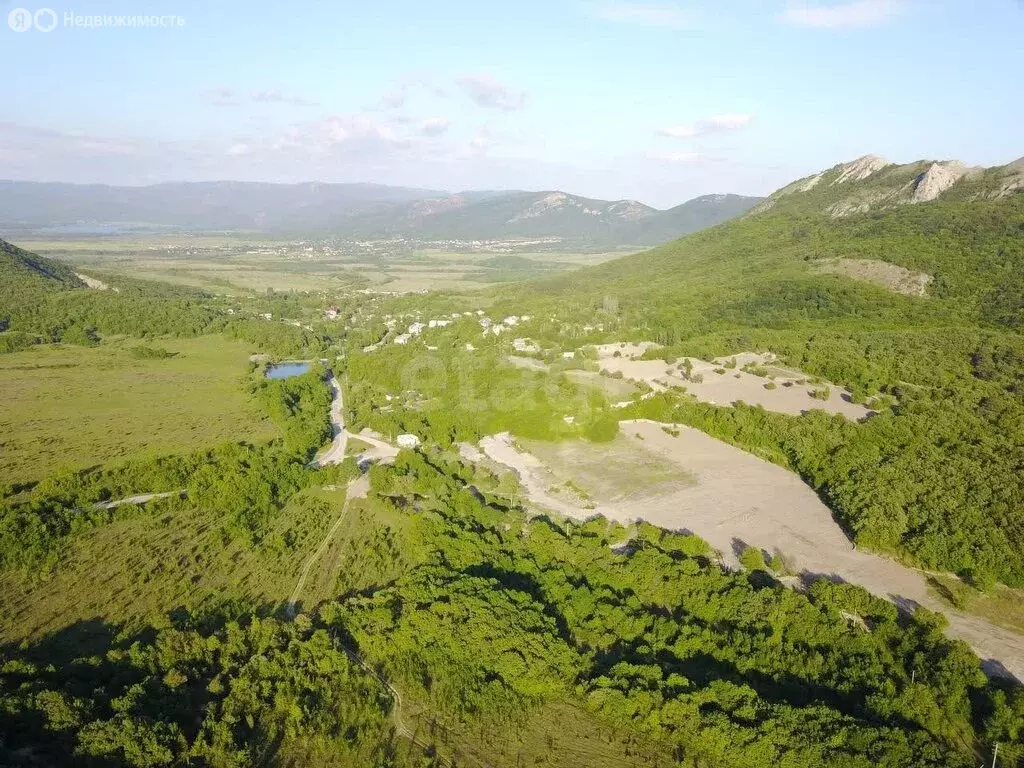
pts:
[71, 407]
[614, 473]
[733, 500]
[1000, 605]
[242, 263]
[137, 570]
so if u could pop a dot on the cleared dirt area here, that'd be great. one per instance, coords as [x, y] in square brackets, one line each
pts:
[780, 390]
[890, 276]
[732, 499]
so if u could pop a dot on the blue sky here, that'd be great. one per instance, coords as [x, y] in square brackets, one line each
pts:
[657, 101]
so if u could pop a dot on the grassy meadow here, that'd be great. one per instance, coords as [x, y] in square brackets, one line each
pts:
[68, 407]
[165, 558]
[243, 263]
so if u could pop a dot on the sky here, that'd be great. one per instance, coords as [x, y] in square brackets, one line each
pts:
[655, 101]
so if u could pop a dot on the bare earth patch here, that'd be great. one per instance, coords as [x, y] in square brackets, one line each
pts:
[782, 391]
[732, 499]
[890, 276]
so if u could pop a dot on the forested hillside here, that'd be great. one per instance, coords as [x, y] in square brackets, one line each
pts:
[936, 477]
[499, 632]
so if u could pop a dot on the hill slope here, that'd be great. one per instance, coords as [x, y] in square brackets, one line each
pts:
[359, 210]
[24, 274]
[937, 478]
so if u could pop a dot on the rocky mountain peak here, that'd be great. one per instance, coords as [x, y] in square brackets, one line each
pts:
[860, 169]
[937, 179]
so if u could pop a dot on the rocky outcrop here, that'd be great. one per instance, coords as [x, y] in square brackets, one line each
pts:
[810, 184]
[937, 179]
[860, 169]
[1013, 181]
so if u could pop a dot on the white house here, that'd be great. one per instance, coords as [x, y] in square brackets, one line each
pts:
[568, 355]
[402, 338]
[408, 441]
[510, 320]
[415, 328]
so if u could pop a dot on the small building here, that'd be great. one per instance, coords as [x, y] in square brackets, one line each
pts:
[408, 441]
[402, 338]
[568, 355]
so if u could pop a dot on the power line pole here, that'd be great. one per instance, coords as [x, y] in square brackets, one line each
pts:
[995, 755]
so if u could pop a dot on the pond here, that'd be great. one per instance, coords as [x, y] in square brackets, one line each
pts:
[287, 370]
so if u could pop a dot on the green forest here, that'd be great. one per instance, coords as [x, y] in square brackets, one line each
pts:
[493, 618]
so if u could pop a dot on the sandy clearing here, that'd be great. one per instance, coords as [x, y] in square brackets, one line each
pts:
[731, 386]
[528, 363]
[890, 276]
[741, 500]
[92, 282]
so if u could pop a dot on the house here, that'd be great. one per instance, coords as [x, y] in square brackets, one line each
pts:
[332, 313]
[415, 328]
[525, 345]
[402, 338]
[510, 320]
[408, 441]
[568, 355]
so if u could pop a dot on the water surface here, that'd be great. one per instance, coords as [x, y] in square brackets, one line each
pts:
[287, 370]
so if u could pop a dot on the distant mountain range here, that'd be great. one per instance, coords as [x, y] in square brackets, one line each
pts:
[356, 210]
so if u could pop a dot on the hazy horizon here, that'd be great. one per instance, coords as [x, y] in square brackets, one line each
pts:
[658, 102]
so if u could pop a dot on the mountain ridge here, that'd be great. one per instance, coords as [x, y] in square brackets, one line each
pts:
[360, 210]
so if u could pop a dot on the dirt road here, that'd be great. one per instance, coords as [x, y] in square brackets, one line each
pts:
[140, 499]
[335, 454]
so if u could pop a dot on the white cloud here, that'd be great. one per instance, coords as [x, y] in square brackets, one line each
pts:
[222, 96]
[434, 126]
[707, 126]
[678, 157]
[239, 148]
[663, 16]
[395, 99]
[487, 92]
[276, 97]
[859, 13]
